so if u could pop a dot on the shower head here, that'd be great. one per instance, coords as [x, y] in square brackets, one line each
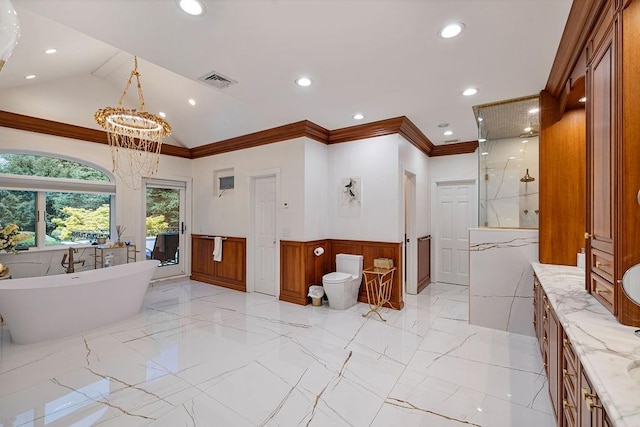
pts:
[527, 177]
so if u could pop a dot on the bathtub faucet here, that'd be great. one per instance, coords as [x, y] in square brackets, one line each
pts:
[69, 265]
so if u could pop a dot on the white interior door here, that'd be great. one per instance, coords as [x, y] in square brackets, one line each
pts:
[265, 235]
[455, 212]
[165, 226]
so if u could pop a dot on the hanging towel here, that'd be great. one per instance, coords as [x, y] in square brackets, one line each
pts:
[217, 248]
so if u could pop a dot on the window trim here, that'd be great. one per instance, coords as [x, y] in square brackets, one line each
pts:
[40, 185]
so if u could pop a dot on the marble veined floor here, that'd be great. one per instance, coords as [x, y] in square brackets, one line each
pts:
[202, 355]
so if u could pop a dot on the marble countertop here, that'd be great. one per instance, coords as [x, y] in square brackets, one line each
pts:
[605, 347]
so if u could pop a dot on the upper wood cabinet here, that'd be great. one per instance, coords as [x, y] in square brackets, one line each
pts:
[613, 174]
[602, 141]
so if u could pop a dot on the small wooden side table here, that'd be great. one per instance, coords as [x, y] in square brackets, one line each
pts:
[378, 282]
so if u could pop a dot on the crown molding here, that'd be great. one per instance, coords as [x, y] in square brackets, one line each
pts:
[269, 136]
[457, 148]
[398, 125]
[401, 125]
[65, 130]
[582, 17]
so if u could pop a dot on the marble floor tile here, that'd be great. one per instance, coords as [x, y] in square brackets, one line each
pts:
[199, 354]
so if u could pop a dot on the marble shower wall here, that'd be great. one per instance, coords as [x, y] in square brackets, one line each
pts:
[47, 262]
[501, 278]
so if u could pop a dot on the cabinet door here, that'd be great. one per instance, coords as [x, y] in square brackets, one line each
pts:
[202, 255]
[601, 99]
[555, 363]
[591, 413]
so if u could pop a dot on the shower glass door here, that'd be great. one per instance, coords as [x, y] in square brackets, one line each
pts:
[165, 226]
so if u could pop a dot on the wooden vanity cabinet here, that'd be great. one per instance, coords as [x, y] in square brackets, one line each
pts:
[574, 401]
[554, 362]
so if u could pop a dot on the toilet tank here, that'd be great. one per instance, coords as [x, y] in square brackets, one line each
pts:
[347, 263]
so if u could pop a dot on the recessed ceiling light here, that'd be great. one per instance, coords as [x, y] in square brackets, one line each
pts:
[527, 129]
[192, 101]
[30, 76]
[484, 153]
[482, 140]
[303, 81]
[443, 125]
[525, 141]
[451, 30]
[358, 116]
[583, 99]
[470, 91]
[162, 114]
[512, 157]
[534, 110]
[50, 51]
[522, 150]
[192, 7]
[480, 119]
[448, 132]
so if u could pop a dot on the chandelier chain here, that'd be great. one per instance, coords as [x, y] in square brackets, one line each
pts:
[134, 72]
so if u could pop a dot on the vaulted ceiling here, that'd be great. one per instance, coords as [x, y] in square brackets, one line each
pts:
[381, 58]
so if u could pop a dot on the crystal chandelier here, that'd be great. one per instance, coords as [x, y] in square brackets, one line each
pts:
[135, 137]
[9, 30]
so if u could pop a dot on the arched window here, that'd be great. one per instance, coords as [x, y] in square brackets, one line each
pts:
[54, 201]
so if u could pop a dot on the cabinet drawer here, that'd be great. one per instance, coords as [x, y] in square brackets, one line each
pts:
[569, 354]
[602, 290]
[602, 264]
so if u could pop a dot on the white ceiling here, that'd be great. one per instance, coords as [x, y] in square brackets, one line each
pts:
[381, 58]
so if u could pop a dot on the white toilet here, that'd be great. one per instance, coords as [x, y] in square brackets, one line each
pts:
[343, 285]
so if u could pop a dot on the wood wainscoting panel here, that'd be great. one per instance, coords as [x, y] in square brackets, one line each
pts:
[424, 262]
[231, 272]
[300, 268]
[292, 272]
[232, 269]
[370, 251]
[316, 266]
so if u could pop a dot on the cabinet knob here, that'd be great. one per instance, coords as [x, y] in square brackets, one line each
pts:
[566, 404]
[566, 373]
[587, 235]
[598, 264]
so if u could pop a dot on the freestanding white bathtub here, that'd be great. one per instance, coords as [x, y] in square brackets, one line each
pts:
[46, 307]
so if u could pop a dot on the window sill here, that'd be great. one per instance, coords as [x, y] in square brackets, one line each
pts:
[55, 248]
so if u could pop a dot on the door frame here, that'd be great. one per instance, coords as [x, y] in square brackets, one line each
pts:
[185, 253]
[410, 248]
[251, 239]
[435, 217]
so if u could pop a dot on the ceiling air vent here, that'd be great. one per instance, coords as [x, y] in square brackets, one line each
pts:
[216, 79]
[451, 141]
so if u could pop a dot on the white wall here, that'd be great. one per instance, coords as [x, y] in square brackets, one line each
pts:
[375, 161]
[316, 178]
[228, 215]
[416, 162]
[456, 167]
[128, 202]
